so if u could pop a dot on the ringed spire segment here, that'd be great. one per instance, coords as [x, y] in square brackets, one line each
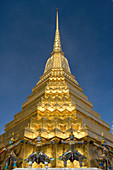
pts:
[57, 59]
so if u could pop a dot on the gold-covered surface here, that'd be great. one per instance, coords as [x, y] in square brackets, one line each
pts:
[57, 59]
[56, 104]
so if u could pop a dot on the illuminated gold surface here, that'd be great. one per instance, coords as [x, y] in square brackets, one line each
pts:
[57, 59]
[56, 103]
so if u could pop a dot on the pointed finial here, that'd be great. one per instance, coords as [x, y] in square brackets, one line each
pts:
[71, 128]
[12, 133]
[57, 20]
[102, 134]
[57, 42]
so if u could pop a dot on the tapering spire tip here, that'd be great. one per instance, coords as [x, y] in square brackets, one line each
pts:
[57, 43]
[57, 27]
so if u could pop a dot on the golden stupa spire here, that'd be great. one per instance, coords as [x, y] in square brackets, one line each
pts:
[57, 59]
[57, 42]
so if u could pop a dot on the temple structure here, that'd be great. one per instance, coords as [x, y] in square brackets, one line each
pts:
[57, 104]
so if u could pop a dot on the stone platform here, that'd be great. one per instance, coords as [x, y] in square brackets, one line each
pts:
[57, 169]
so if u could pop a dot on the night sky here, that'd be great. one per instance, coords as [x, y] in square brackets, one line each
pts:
[27, 29]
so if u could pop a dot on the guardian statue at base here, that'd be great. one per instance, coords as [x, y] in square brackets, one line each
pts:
[12, 158]
[72, 154]
[39, 156]
[104, 159]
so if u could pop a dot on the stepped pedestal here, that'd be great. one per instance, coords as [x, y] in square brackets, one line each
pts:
[57, 169]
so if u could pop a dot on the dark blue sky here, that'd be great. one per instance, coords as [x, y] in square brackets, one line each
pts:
[27, 30]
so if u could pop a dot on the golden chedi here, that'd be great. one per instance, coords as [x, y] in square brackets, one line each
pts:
[56, 106]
